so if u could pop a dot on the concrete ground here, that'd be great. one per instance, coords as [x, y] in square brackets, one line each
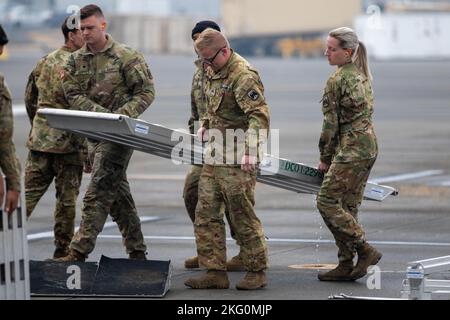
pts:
[412, 111]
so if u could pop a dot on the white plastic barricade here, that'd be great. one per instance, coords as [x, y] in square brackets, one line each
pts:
[14, 266]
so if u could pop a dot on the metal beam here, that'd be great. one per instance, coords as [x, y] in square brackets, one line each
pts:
[163, 142]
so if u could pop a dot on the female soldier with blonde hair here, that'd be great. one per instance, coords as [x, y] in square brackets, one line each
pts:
[348, 150]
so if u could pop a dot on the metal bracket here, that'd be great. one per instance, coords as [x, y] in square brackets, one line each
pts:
[418, 286]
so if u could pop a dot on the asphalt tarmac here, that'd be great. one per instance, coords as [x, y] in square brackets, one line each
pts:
[412, 111]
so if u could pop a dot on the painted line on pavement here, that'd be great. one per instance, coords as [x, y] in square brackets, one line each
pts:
[313, 241]
[407, 176]
[108, 225]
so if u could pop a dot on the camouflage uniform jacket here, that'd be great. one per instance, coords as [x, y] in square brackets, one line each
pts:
[115, 80]
[45, 83]
[347, 105]
[235, 100]
[9, 164]
[32, 92]
[198, 99]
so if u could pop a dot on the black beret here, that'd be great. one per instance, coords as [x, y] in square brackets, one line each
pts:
[3, 37]
[203, 25]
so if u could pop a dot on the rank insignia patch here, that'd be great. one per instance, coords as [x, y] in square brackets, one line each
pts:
[253, 95]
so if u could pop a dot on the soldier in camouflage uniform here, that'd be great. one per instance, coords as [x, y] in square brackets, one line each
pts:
[9, 164]
[54, 154]
[348, 149]
[235, 100]
[105, 76]
[198, 113]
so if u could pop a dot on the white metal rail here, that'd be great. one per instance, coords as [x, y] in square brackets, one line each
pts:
[419, 286]
[14, 266]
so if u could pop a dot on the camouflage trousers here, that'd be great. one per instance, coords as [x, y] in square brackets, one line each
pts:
[190, 196]
[108, 193]
[234, 188]
[338, 201]
[67, 171]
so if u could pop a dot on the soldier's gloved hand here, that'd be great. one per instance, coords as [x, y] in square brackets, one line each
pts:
[12, 200]
[323, 167]
[202, 134]
[248, 163]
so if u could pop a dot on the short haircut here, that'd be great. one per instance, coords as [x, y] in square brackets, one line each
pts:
[66, 29]
[91, 10]
[211, 39]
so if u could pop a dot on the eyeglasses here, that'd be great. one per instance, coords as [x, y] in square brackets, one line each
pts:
[211, 60]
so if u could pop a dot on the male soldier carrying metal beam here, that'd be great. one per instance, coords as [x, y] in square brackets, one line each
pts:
[106, 76]
[235, 101]
[198, 114]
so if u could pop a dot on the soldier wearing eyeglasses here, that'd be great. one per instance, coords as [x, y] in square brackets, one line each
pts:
[235, 101]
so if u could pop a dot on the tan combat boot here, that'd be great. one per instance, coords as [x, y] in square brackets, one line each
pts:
[253, 281]
[213, 279]
[192, 263]
[137, 255]
[367, 256]
[72, 257]
[235, 264]
[340, 273]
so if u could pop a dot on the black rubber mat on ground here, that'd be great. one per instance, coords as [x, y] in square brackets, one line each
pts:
[56, 278]
[108, 278]
[132, 278]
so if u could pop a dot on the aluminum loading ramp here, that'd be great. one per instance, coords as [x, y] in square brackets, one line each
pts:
[164, 142]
